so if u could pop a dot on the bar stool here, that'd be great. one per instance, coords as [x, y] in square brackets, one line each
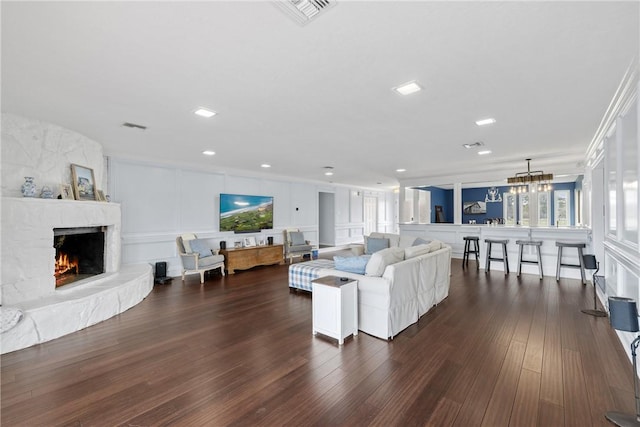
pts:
[577, 245]
[537, 244]
[504, 259]
[470, 241]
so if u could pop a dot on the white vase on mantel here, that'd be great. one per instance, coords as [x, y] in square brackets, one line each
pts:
[29, 187]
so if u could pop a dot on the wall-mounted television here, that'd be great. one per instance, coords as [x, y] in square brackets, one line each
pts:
[245, 214]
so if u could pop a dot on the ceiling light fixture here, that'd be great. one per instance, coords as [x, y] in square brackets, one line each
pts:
[401, 170]
[208, 153]
[485, 122]
[328, 170]
[408, 88]
[530, 178]
[203, 112]
[265, 165]
[483, 152]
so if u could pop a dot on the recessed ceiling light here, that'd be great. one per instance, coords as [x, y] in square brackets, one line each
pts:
[265, 165]
[203, 112]
[485, 122]
[208, 153]
[328, 173]
[483, 152]
[408, 88]
[401, 170]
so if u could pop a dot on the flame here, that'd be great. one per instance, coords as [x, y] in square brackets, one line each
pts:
[65, 265]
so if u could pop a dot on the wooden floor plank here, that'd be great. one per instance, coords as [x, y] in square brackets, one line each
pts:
[238, 350]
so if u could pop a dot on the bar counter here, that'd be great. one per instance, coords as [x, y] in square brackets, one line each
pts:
[452, 234]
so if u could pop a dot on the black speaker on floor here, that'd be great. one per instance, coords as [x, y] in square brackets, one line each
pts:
[161, 273]
[223, 244]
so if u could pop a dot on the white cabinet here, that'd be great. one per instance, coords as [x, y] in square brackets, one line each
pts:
[335, 307]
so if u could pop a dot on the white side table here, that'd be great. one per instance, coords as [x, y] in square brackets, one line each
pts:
[335, 307]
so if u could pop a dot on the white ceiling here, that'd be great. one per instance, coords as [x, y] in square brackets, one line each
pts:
[304, 97]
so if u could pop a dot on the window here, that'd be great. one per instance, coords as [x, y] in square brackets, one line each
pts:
[544, 216]
[524, 218]
[509, 208]
[562, 207]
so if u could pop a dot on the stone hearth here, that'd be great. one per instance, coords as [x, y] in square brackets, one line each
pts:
[28, 260]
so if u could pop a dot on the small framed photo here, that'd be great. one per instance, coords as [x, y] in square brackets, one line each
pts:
[249, 242]
[66, 192]
[84, 183]
[100, 196]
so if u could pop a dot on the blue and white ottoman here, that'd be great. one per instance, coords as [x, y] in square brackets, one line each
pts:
[303, 273]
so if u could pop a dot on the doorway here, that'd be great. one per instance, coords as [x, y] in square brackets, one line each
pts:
[326, 220]
[370, 214]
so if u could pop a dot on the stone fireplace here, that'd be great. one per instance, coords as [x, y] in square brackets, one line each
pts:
[34, 233]
[32, 230]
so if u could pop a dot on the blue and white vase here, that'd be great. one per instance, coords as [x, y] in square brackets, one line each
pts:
[29, 187]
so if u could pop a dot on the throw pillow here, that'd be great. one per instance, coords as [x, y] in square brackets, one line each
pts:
[199, 246]
[420, 241]
[351, 264]
[381, 259]
[372, 245]
[296, 238]
[414, 251]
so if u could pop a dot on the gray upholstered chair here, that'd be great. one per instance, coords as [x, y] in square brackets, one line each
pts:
[295, 245]
[197, 256]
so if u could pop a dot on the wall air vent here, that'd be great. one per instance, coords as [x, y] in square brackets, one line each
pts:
[133, 126]
[304, 11]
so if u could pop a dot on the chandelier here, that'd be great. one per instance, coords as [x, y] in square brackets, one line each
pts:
[523, 182]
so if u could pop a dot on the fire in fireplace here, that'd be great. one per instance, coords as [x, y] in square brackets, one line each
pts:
[80, 253]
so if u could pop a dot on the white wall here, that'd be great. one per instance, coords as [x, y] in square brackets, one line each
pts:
[44, 151]
[160, 202]
[617, 235]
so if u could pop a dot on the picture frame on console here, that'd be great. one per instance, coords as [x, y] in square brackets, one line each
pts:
[84, 182]
[66, 192]
[249, 242]
[100, 196]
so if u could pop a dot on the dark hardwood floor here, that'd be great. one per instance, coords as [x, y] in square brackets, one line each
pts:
[239, 351]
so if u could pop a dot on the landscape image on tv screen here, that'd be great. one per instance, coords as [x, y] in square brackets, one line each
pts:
[245, 214]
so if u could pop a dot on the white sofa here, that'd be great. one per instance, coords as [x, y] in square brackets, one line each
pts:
[406, 289]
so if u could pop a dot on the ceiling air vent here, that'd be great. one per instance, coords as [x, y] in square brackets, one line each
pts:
[304, 11]
[473, 145]
[133, 126]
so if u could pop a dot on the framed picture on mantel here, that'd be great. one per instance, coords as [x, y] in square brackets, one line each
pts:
[84, 183]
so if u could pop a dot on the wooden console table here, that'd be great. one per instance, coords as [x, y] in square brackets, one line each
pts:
[245, 258]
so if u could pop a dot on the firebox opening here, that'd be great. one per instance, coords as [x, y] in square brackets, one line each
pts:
[80, 253]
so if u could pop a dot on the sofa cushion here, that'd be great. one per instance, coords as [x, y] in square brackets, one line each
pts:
[210, 260]
[414, 251]
[394, 239]
[375, 244]
[420, 241]
[351, 264]
[296, 238]
[381, 259]
[435, 245]
[201, 247]
[406, 241]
